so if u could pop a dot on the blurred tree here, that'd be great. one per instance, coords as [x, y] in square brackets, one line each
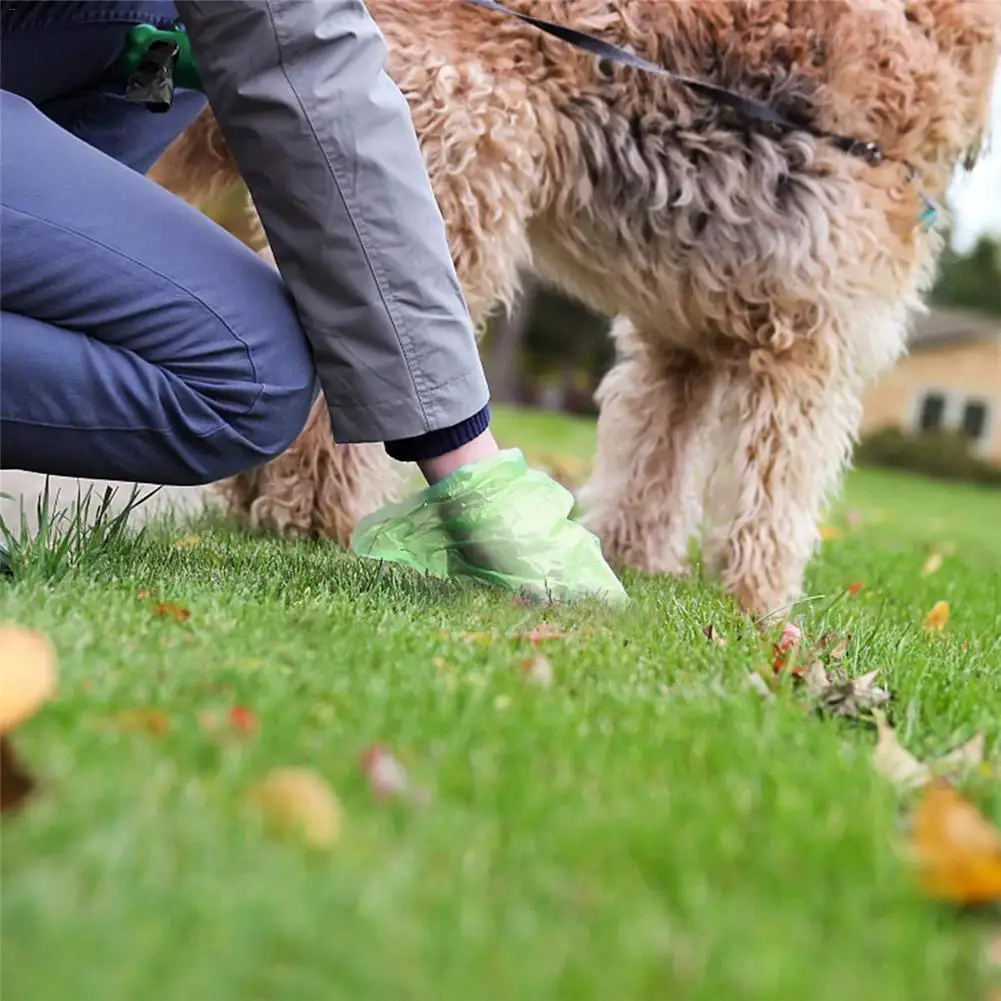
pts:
[505, 341]
[972, 281]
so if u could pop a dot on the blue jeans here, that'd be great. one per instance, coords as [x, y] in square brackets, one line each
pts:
[138, 340]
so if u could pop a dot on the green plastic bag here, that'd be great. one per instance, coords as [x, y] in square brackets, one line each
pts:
[498, 522]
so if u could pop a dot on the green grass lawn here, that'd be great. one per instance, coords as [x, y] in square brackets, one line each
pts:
[645, 827]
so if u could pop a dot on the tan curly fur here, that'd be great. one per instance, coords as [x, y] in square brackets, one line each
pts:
[759, 279]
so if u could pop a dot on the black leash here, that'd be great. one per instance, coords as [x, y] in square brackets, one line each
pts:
[749, 109]
[746, 107]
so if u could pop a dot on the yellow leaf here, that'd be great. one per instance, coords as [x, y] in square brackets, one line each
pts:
[187, 542]
[297, 802]
[27, 674]
[828, 532]
[150, 721]
[957, 852]
[938, 618]
[932, 565]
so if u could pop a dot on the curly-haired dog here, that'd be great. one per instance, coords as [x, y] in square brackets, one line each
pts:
[759, 276]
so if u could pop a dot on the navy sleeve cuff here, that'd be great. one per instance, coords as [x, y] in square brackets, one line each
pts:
[435, 443]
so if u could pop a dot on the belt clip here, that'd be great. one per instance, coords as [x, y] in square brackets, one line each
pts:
[152, 81]
[154, 61]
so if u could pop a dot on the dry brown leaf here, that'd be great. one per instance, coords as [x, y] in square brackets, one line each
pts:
[938, 618]
[296, 802]
[847, 699]
[237, 721]
[839, 651]
[932, 565]
[956, 850]
[712, 634]
[815, 678]
[168, 610]
[150, 721]
[891, 760]
[27, 674]
[545, 631]
[16, 785]
[538, 671]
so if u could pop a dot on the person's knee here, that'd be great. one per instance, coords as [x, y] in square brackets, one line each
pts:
[276, 417]
[257, 391]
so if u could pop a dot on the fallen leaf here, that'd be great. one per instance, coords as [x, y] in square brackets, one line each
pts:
[187, 542]
[538, 671]
[891, 760]
[475, 637]
[849, 699]
[147, 594]
[296, 802]
[932, 565]
[791, 637]
[150, 721]
[27, 674]
[956, 851]
[759, 686]
[712, 634]
[168, 610]
[855, 517]
[834, 646]
[854, 589]
[540, 634]
[783, 650]
[544, 631]
[963, 758]
[386, 776]
[992, 952]
[938, 618]
[243, 719]
[815, 678]
[837, 652]
[828, 533]
[16, 785]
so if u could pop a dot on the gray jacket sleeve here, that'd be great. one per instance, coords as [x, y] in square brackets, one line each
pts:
[326, 145]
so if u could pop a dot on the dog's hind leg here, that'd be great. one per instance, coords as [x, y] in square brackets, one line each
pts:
[315, 488]
[788, 420]
[643, 499]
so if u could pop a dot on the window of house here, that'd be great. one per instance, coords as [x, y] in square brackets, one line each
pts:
[931, 416]
[974, 422]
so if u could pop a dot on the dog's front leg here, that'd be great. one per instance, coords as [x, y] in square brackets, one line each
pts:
[788, 421]
[644, 498]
